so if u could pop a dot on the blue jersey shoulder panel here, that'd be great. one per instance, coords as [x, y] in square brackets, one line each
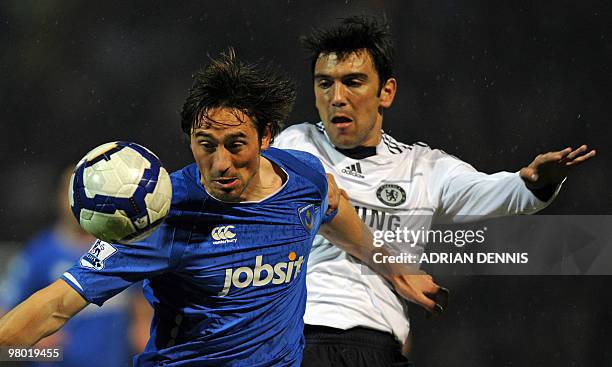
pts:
[305, 163]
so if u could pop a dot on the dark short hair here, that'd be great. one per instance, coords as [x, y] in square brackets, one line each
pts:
[261, 92]
[352, 35]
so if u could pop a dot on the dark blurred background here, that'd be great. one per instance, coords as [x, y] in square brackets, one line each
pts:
[493, 83]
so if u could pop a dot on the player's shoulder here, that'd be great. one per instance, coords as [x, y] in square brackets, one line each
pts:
[413, 150]
[304, 127]
[418, 152]
[183, 182]
[289, 157]
[182, 175]
[300, 132]
[302, 164]
[438, 160]
[430, 154]
[395, 146]
[42, 243]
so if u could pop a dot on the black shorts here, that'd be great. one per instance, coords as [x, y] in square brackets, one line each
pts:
[356, 347]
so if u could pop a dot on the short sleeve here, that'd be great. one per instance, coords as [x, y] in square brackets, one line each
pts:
[107, 269]
[329, 216]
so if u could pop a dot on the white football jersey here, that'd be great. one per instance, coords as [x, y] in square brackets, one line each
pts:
[401, 186]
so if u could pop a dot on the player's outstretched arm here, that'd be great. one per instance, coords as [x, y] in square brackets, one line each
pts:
[348, 232]
[42, 314]
[551, 168]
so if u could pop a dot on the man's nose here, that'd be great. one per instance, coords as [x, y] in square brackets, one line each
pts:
[338, 95]
[221, 161]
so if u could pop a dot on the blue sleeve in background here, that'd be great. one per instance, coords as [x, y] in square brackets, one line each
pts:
[19, 282]
[28, 271]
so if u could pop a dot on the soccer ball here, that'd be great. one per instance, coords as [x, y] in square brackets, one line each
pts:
[119, 192]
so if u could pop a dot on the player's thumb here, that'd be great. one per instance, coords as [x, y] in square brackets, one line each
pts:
[528, 174]
[425, 302]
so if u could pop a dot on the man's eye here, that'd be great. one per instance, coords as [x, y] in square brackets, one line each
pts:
[352, 83]
[324, 84]
[236, 145]
[206, 144]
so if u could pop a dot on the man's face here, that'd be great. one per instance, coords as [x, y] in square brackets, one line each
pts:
[226, 149]
[348, 99]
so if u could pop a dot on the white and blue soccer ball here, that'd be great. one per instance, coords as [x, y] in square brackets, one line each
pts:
[119, 192]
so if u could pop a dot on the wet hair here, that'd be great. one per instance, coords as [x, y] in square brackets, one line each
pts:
[352, 35]
[260, 92]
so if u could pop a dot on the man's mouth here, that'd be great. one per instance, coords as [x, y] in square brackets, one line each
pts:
[341, 121]
[225, 183]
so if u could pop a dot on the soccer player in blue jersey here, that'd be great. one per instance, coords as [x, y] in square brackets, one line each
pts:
[226, 271]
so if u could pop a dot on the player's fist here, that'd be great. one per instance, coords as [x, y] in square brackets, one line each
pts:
[334, 194]
[421, 289]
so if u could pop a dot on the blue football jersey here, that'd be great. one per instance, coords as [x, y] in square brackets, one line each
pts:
[226, 280]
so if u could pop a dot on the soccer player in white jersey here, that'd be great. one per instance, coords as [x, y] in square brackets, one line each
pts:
[354, 319]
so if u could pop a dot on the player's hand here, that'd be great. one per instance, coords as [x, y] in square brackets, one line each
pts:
[334, 193]
[422, 290]
[551, 168]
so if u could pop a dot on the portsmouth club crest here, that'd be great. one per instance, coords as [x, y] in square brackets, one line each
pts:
[391, 194]
[97, 254]
[307, 216]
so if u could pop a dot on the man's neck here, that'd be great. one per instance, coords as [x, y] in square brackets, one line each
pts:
[358, 152]
[268, 180]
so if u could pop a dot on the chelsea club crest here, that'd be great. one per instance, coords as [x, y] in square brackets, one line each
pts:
[391, 194]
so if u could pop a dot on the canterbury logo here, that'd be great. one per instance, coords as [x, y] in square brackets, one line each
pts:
[223, 234]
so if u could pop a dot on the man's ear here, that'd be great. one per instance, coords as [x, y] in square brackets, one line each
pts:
[266, 138]
[387, 93]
